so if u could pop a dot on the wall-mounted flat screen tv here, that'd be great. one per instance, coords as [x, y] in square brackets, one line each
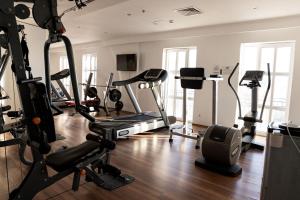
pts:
[127, 62]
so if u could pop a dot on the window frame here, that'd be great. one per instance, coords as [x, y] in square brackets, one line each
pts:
[64, 64]
[270, 104]
[190, 93]
[85, 72]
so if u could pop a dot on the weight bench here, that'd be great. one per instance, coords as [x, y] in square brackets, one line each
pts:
[65, 159]
[91, 156]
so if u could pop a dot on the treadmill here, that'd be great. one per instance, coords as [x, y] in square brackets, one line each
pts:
[61, 100]
[125, 126]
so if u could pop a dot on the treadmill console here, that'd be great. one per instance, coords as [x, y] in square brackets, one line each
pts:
[153, 74]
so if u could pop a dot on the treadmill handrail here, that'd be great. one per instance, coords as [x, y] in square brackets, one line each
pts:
[60, 75]
[234, 91]
[141, 78]
[130, 81]
[199, 78]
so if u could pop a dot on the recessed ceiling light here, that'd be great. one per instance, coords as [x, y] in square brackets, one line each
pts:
[129, 14]
[255, 8]
[158, 21]
[171, 21]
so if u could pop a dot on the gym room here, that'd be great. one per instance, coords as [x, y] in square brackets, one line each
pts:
[161, 99]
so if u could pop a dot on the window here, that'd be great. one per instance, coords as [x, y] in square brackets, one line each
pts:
[89, 65]
[173, 60]
[255, 56]
[64, 64]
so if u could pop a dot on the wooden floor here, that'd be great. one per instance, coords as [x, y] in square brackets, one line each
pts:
[162, 171]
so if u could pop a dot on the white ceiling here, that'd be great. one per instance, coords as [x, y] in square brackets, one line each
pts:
[108, 19]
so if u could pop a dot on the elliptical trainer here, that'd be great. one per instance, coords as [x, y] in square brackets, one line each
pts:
[251, 79]
[221, 146]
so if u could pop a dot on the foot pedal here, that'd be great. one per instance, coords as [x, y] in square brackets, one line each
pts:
[110, 182]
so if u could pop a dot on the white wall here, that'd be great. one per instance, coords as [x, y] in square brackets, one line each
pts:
[218, 46]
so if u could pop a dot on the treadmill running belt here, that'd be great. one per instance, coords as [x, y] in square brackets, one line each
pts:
[141, 117]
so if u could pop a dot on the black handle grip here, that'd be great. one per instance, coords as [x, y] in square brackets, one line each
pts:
[5, 108]
[84, 112]
[14, 114]
[93, 138]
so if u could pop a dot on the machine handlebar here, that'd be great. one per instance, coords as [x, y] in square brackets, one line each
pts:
[234, 91]
[267, 92]
[258, 85]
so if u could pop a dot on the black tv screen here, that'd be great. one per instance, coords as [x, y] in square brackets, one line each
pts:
[127, 62]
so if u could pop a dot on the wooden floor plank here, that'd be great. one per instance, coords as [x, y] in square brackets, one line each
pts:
[162, 170]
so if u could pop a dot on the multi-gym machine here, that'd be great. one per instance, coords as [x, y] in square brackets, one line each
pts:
[193, 78]
[17, 127]
[92, 156]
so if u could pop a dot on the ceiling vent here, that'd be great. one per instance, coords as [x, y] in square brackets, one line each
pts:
[188, 11]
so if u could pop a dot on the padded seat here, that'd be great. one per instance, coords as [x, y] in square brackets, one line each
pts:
[70, 157]
[192, 72]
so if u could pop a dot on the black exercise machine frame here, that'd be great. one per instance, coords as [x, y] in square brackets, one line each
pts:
[31, 92]
[15, 128]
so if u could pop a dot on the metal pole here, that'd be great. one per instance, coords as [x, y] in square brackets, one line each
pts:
[215, 103]
[88, 85]
[62, 87]
[254, 101]
[55, 91]
[72, 68]
[133, 99]
[184, 106]
[47, 67]
[160, 105]
[106, 94]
